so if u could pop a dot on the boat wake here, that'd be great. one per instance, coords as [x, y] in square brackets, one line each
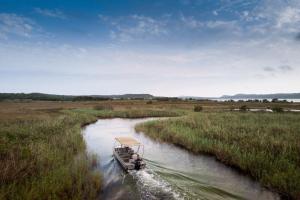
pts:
[152, 186]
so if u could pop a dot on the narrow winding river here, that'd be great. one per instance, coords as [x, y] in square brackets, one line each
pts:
[171, 172]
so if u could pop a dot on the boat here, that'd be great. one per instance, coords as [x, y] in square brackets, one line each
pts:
[127, 151]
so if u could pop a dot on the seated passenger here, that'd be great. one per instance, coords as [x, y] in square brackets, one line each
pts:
[134, 157]
[137, 163]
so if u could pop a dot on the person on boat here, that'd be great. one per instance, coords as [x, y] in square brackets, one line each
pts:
[137, 161]
[134, 157]
[128, 150]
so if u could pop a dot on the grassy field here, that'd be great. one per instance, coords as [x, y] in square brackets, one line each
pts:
[42, 151]
[43, 154]
[264, 145]
[44, 158]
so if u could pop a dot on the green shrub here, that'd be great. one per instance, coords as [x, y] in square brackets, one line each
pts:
[265, 101]
[198, 108]
[277, 109]
[103, 107]
[149, 102]
[244, 108]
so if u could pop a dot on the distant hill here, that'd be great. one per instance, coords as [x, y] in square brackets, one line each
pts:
[126, 96]
[35, 96]
[263, 96]
[54, 97]
[248, 96]
[197, 98]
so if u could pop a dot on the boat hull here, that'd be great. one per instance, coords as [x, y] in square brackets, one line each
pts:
[127, 163]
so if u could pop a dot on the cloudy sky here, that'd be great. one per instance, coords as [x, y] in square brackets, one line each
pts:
[162, 47]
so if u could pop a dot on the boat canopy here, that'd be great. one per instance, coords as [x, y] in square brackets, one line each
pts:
[128, 141]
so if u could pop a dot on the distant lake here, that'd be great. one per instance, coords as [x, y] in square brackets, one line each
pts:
[289, 100]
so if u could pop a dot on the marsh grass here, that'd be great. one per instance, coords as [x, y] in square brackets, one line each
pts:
[43, 154]
[198, 108]
[264, 145]
[130, 113]
[45, 159]
[103, 107]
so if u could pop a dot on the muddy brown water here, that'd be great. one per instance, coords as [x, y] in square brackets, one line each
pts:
[171, 172]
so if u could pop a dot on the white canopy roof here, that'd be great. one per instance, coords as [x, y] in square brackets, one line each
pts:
[127, 141]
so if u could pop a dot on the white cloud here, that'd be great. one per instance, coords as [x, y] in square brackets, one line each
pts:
[206, 70]
[261, 60]
[103, 17]
[135, 27]
[191, 22]
[269, 69]
[288, 16]
[274, 17]
[278, 70]
[222, 24]
[56, 13]
[257, 19]
[285, 68]
[14, 24]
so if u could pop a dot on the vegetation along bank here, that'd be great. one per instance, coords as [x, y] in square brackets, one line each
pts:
[264, 145]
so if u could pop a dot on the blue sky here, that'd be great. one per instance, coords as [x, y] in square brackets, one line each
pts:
[166, 47]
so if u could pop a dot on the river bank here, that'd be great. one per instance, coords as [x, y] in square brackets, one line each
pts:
[171, 172]
[43, 154]
[263, 145]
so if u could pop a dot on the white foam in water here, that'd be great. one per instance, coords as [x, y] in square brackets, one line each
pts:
[151, 186]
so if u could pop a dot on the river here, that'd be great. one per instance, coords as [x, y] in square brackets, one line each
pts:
[171, 172]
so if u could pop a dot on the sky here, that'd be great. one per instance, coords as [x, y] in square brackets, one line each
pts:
[162, 47]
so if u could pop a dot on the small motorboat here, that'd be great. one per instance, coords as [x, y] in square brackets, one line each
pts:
[126, 151]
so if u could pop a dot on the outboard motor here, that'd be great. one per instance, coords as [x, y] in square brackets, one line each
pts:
[137, 164]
